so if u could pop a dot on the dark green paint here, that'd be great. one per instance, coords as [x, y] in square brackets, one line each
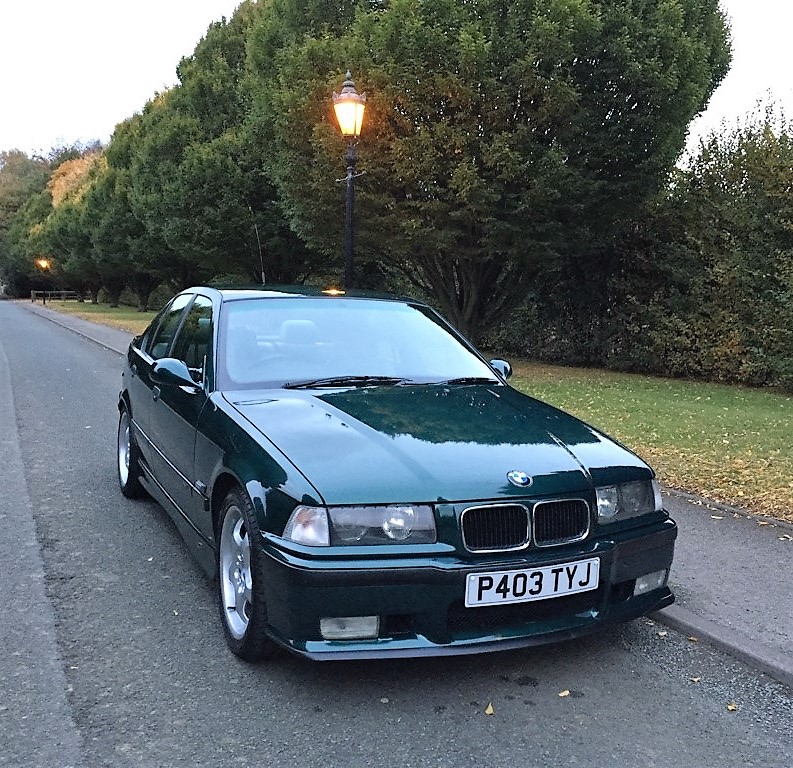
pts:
[446, 444]
[434, 443]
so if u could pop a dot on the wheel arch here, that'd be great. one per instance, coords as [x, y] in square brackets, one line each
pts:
[124, 402]
[224, 482]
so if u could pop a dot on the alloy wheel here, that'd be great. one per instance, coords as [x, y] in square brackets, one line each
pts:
[235, 572]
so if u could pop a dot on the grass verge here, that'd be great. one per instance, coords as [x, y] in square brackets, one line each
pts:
[726, 443]
[126, 319]
[730, 444]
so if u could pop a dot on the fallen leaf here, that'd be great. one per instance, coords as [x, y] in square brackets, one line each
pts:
[384, 700]
[693, 639]
[695, 679]
[763, 522]
[176, 613]
[732, 707]
[717, 517]
[489, 711]
[663, 633]
[564, 693]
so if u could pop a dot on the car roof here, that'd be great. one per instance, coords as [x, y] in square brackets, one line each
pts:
[237, 292]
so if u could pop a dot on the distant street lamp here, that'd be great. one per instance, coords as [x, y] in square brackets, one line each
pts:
[349, 106]
[44, 265]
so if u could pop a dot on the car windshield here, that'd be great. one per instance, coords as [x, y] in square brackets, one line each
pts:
[316, 342]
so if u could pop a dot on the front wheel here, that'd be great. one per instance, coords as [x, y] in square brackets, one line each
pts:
[240, 580]
[128, 461]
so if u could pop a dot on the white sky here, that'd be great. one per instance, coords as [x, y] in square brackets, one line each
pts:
[762, 65]
[70, 70]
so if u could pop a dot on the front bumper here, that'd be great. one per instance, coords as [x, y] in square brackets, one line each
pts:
[420, 600]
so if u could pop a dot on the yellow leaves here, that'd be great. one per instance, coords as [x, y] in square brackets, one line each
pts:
[663, 633]
[563, 694]
[489, 710]
[732, 707]
[70, 179]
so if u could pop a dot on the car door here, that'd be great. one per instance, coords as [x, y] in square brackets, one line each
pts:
[175, 409]
[154, 345]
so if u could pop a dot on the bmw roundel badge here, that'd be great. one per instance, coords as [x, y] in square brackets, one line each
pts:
[521, 479]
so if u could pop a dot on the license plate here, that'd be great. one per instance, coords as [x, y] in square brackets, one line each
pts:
[505, 587]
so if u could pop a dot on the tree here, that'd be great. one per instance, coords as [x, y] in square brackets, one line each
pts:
[505, 144]
[21, 178]
[734, 210]
[62, 231]
[26, 245]
[29, 226]
[194, 178]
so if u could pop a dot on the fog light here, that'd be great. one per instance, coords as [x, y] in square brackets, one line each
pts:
[349, 627]
[649, 582]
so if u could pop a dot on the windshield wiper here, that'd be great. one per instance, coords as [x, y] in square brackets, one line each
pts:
[470, 380]
[344, 381]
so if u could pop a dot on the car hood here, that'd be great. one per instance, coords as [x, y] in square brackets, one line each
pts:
[433, 443]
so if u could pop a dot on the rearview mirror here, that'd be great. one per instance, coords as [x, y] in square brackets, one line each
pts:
[172, 372]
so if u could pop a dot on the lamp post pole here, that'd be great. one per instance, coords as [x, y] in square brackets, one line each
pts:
[349, 106]
[349, 213]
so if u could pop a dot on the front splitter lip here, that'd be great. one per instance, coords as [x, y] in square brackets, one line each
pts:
[420, 646]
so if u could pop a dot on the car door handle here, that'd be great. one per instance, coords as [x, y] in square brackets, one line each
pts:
[156, 392]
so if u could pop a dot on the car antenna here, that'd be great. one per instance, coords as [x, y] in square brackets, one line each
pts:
[259, 244]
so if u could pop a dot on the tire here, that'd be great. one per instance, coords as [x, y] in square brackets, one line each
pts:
[240, 572]
[128, 459]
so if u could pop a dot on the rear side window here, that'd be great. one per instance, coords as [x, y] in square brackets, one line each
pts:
[160, 342]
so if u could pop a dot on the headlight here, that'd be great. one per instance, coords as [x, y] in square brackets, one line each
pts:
[362, 526]
[620, 502]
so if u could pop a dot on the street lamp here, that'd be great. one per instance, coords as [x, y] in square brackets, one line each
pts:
[349, 106]
[44, 265]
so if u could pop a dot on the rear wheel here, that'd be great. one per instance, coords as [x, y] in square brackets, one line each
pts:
[128, 460]
[241, 579]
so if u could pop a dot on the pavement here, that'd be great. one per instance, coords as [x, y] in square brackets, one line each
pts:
[731, 576]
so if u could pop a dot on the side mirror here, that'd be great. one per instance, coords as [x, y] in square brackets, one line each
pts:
[168, 371]
[502, 367]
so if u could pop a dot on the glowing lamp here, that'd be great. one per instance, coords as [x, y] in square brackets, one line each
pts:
[349, 106]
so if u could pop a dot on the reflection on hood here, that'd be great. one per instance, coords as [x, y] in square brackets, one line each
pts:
[462, 414]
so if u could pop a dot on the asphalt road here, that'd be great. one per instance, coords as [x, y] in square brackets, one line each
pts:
[111, 653]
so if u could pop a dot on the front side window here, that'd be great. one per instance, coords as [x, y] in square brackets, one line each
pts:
[194, 342]
[160, 343]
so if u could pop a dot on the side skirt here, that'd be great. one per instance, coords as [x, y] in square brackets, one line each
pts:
[201, 549]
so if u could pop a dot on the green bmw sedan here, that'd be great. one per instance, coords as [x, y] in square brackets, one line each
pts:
[360, 482]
